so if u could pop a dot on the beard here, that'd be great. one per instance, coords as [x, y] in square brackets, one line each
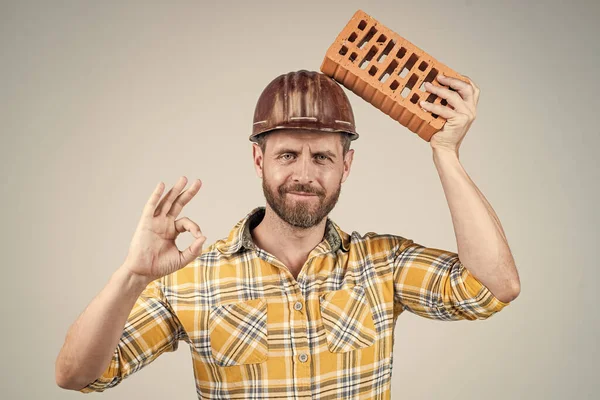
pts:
[300, 213]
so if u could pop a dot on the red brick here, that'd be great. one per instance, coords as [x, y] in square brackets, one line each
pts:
[344, 59]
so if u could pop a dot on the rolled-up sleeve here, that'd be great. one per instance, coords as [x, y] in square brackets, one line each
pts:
[434, 284]
[152, 328]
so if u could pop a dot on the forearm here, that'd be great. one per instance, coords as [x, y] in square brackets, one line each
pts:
[94, 336]
[482, 245]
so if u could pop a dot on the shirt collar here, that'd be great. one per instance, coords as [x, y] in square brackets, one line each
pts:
[240, 236]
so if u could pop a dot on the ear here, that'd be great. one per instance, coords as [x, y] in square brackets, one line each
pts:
[347, 164]
[257, 156]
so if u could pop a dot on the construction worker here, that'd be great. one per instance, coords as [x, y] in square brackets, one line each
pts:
[289, 305]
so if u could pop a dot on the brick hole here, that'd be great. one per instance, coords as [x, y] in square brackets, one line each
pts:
[372, 70]
[368, 58]
[362, 25]
[423, 66]
[343, 50]
[352, 37]
[409, 85]
[401, 52]
[394, 85]
[368, 37]
[408, 66]
[388, 71]
[431, 98]
[386, 51]
[444, 102]
[411, 82]
[414, 99]
[382, 38]
[429, 78]
[352, 57]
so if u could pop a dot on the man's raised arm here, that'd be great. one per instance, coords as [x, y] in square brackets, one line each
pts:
[482, 245]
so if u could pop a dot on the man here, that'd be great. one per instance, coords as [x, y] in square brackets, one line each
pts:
[289, 305]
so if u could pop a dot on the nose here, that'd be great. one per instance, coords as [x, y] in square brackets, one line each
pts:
[304, 169]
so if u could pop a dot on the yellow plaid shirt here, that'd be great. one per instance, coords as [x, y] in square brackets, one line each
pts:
[256, 332]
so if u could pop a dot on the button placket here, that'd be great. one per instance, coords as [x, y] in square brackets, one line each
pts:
[299, 329]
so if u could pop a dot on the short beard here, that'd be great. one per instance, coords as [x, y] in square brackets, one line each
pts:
[300, 214]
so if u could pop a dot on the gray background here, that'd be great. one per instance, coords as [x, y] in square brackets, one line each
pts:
[99, 101]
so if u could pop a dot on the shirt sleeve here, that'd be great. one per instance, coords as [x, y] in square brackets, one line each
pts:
[434, 284]
[152, 328]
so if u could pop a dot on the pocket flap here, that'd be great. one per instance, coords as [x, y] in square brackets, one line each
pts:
[238, 332]
[347, 319]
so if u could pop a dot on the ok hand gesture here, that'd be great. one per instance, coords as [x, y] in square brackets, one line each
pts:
[153, 252]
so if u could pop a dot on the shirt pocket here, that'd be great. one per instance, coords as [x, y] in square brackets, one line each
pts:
[347, 319]
[238, 332]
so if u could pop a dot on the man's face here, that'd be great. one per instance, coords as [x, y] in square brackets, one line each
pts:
[302, 174]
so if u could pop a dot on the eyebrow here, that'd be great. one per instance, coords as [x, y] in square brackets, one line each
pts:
[292, 151]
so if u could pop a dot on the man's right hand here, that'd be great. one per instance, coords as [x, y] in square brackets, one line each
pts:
[153, 252]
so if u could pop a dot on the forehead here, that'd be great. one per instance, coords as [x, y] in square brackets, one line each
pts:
[299, 138]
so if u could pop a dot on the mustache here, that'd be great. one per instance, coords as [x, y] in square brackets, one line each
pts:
[300, 188]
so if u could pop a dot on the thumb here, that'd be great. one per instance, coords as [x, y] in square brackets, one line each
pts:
[197, 234]
[193, 250]
[197, 245]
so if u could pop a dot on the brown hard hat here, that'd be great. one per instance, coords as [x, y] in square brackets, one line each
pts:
[303, 100]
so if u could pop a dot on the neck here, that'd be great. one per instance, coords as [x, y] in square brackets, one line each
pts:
[290, 244]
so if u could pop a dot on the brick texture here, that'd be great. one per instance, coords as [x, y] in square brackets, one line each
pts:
[388, 71]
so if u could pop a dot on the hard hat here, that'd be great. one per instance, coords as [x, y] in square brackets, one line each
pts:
[303, 100]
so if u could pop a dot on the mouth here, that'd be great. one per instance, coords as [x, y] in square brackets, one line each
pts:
[302, 194]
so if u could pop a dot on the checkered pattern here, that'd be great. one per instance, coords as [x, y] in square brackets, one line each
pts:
[238, 309]
[347, 320]
[239, 332]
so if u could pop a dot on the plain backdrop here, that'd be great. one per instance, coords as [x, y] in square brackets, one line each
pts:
[99, 101]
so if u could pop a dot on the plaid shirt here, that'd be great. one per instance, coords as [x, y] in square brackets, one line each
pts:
[255, 332]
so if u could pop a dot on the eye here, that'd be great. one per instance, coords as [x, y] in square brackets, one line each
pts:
[286, 156]
[322, 157]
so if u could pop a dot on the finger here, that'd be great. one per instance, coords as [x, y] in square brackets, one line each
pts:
[442, 111]
[165, 203]
[162, 201]
[476, 90]
[453, 98]
[184, 198]
[473, 85]
[189, 254]
[464, 89]
[185, 224]
[153, 200]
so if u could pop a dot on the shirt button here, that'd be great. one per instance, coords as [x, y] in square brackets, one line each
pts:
[303, 357]
[298, 306]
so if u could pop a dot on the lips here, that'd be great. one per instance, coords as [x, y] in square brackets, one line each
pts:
[302, 194]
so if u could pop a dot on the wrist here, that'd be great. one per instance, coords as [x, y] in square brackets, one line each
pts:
[130, 279]
[446, 161]
[444, 150]
[440, 151]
